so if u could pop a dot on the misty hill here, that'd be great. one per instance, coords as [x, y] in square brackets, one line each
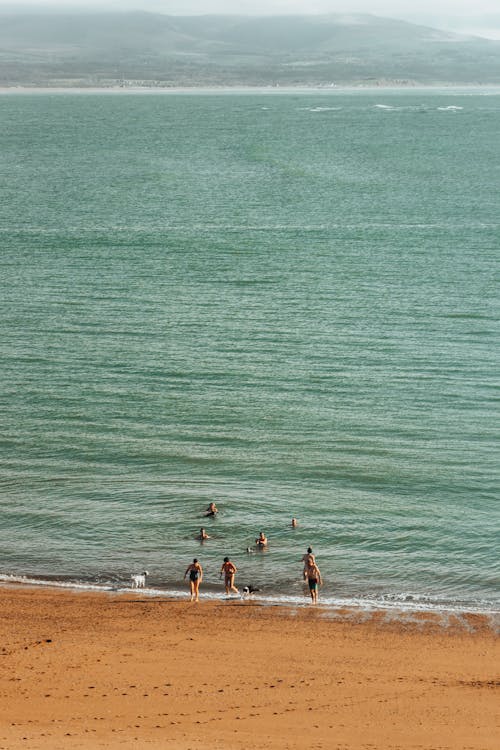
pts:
[102, 49]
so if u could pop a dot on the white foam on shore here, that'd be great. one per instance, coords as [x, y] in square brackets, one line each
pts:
[394, 608]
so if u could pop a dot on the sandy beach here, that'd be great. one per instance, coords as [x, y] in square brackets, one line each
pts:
[86, 670]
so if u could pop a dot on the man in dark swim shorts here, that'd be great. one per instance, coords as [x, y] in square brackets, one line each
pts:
[313, 576]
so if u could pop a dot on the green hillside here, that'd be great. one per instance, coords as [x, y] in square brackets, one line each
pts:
[103, 49]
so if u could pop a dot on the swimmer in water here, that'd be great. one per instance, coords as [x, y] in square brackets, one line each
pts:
[261, 540]
[202, 535]
[294, 523]
[211, 510]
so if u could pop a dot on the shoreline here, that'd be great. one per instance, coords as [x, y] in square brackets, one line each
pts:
[408, 612]
[82, 670]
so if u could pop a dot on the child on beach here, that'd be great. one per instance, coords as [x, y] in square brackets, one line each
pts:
[195, 578]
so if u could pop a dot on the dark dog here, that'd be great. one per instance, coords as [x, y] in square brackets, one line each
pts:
[249, 590]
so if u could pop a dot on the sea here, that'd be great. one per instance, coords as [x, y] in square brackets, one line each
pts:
[285, 302]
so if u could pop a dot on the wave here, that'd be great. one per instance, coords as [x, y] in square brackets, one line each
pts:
[417, 108]
[320, 109]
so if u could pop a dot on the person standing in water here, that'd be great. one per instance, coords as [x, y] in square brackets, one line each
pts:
[195, 578]
[308, 559]
[261, 540]
[313, 576]
[229, 570]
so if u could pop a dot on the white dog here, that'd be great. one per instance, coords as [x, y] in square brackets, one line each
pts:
[139, 580]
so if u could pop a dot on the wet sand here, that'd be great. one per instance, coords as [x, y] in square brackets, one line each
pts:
[82, 670]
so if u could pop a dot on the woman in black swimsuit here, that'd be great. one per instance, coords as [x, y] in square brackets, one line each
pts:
[195, 578]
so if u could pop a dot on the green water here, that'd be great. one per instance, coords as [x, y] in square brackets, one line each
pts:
[286, 303]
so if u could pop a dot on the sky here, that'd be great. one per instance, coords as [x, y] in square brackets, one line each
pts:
[464, 16]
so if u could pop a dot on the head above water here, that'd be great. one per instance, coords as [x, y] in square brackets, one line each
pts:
[195, 560]
[309, 550]
[226, 559]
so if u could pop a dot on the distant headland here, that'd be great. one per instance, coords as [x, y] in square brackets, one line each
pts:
[135, 50]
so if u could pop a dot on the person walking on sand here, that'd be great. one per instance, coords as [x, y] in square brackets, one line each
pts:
[314, 580]
[229, 569]
[195, 578]
[261, 540]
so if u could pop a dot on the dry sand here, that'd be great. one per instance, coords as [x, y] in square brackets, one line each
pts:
[127, 671]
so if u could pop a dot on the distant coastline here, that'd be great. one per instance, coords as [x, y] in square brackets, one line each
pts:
[319, 89]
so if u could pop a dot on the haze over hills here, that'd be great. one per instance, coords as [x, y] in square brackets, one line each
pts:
[106, 49]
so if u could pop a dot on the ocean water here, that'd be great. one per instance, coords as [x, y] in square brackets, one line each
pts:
[286, 303]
